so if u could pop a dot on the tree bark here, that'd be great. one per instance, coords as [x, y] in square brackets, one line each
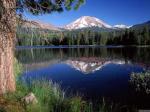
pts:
[7, 37]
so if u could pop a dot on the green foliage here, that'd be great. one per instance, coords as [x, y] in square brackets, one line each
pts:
[76, 104]
[17, 67]
[83, 37]
[37, 7]
[49, 95]
[141, 82]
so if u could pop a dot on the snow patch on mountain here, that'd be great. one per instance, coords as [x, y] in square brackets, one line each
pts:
[122, 26]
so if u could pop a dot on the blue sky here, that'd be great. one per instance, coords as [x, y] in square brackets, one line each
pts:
[128, 12]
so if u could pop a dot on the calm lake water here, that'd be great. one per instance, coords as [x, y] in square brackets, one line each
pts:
[94, 73]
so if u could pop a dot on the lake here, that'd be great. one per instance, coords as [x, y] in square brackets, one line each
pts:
[91, 72]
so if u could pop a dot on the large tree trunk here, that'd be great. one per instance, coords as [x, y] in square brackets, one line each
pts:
[7, 37]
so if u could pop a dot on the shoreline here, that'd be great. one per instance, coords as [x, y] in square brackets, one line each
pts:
[80, 46]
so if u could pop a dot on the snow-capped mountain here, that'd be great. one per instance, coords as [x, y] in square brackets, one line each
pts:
[121, 26]
[87, 21]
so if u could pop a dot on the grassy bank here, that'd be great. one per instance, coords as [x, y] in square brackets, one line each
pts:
[50, 98]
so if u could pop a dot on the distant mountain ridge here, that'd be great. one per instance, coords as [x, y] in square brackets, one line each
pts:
[39, 25]
[84, 22]
[142, 25]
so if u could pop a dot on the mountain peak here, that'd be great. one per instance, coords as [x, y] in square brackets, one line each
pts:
[87, 21]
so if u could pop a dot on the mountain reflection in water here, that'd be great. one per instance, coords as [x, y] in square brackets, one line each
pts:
[108, 70]
[89, 65]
